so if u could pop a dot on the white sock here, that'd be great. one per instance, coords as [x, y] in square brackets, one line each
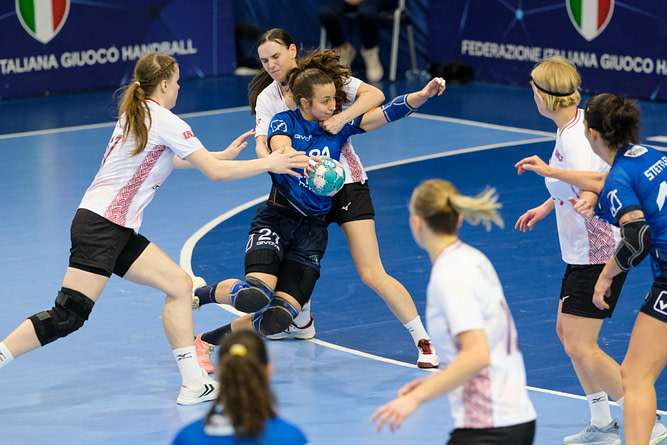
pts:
[5, 355]
[303, 317]
[599, 405]
[416, 329]
[186, 359]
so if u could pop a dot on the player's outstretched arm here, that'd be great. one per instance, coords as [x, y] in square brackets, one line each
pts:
[402, 106]
[231, 152]
[584, 180]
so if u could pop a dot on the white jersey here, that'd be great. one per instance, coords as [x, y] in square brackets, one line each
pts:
[582, 241]
[463, 294]
[271, 102]
[125, 184]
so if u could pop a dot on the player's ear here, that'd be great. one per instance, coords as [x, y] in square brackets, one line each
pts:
[304, 102]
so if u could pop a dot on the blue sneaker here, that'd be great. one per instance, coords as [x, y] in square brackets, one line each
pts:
[659, 432]
[607, 435]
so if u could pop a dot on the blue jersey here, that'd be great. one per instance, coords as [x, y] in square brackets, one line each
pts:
[638, 181]
[221, 432]
[310, 138]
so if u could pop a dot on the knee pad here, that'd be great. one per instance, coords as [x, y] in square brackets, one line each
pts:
[274, 318]
[71, 310]
[250, 295]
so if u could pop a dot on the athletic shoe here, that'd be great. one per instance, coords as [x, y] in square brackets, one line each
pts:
[197, 282]
[347, 53]
[204, 351]
[374, 70]
[428, 358]
[191, 395]
[294, 331]
[659, 432]
[607, 435]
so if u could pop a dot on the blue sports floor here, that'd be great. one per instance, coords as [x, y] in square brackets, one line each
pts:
[115, 380]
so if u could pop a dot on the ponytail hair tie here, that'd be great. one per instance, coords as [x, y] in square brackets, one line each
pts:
[238, 349]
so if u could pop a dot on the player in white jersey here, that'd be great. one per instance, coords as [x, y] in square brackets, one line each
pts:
[471, 324]
[146, 144]
[586, 245]
[352, 207]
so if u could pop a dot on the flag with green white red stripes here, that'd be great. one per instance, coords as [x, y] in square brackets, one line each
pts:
[590, 17]
[42, 19]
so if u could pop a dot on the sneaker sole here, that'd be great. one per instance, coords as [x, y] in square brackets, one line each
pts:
[282, 336]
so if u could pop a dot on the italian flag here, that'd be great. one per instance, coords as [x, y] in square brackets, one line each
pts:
[42, 17]
[590, 15]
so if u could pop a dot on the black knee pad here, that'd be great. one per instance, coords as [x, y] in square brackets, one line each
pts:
[297, 280]
[274, 318]
[262, 261]
[70, 312]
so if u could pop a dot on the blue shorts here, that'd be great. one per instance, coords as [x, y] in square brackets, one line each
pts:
[289, 234]
[655, 304]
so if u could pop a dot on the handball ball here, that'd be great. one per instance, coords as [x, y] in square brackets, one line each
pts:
[328, 177]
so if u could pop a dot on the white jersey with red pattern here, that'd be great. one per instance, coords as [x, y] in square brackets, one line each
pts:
[271, 102]
[464, 294]
[125, 184]
[582, 241]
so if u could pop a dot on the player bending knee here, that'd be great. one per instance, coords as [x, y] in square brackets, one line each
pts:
[274, 318]
[250, 295]
[71, 310]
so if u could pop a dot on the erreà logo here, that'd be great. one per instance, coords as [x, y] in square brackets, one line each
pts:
[42, 19]
[590, 17]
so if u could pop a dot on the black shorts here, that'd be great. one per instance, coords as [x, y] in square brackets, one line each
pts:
[102, 247]
[522, 434]
[289, 234]
[655, 304]
[352, 203]
[577, 289]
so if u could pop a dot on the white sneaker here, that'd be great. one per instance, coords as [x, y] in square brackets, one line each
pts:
[347, 53]
[659, 432]
[197, 282]
[293, 331]
[191, 395]
[374, 70]
[607, 435]
[428, 358]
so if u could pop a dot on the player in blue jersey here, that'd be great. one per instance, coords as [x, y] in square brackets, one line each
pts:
[632, 196]
[244, 411]
[288, 235]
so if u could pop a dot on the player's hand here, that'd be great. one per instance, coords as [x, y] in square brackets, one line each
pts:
[437, 85]
[582, 207]
[602, 290]
[233, 150]
[284, 161]
[528, 219]
[394, 412]
[334, 124]
[534, 164]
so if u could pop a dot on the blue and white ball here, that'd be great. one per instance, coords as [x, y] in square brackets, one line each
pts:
[328, 178]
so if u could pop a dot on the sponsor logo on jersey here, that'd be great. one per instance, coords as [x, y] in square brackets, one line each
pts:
[188, 134]
[305, 138]
[614, 202]
[278, 125]
[590, 17]
[635, 151]
[42, 19]
[558, 155]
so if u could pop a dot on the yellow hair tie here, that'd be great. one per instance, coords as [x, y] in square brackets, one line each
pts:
[238, 349]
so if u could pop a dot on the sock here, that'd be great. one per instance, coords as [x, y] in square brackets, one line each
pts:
[186, 359]
[215, 337]
[206, 294]
[303, 317]
[5, 355]
[416, 329]
[599, 405]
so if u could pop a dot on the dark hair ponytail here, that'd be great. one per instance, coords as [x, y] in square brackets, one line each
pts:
[615, 118]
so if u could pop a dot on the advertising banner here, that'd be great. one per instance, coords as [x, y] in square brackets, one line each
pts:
[59, 46]
[618, 47]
